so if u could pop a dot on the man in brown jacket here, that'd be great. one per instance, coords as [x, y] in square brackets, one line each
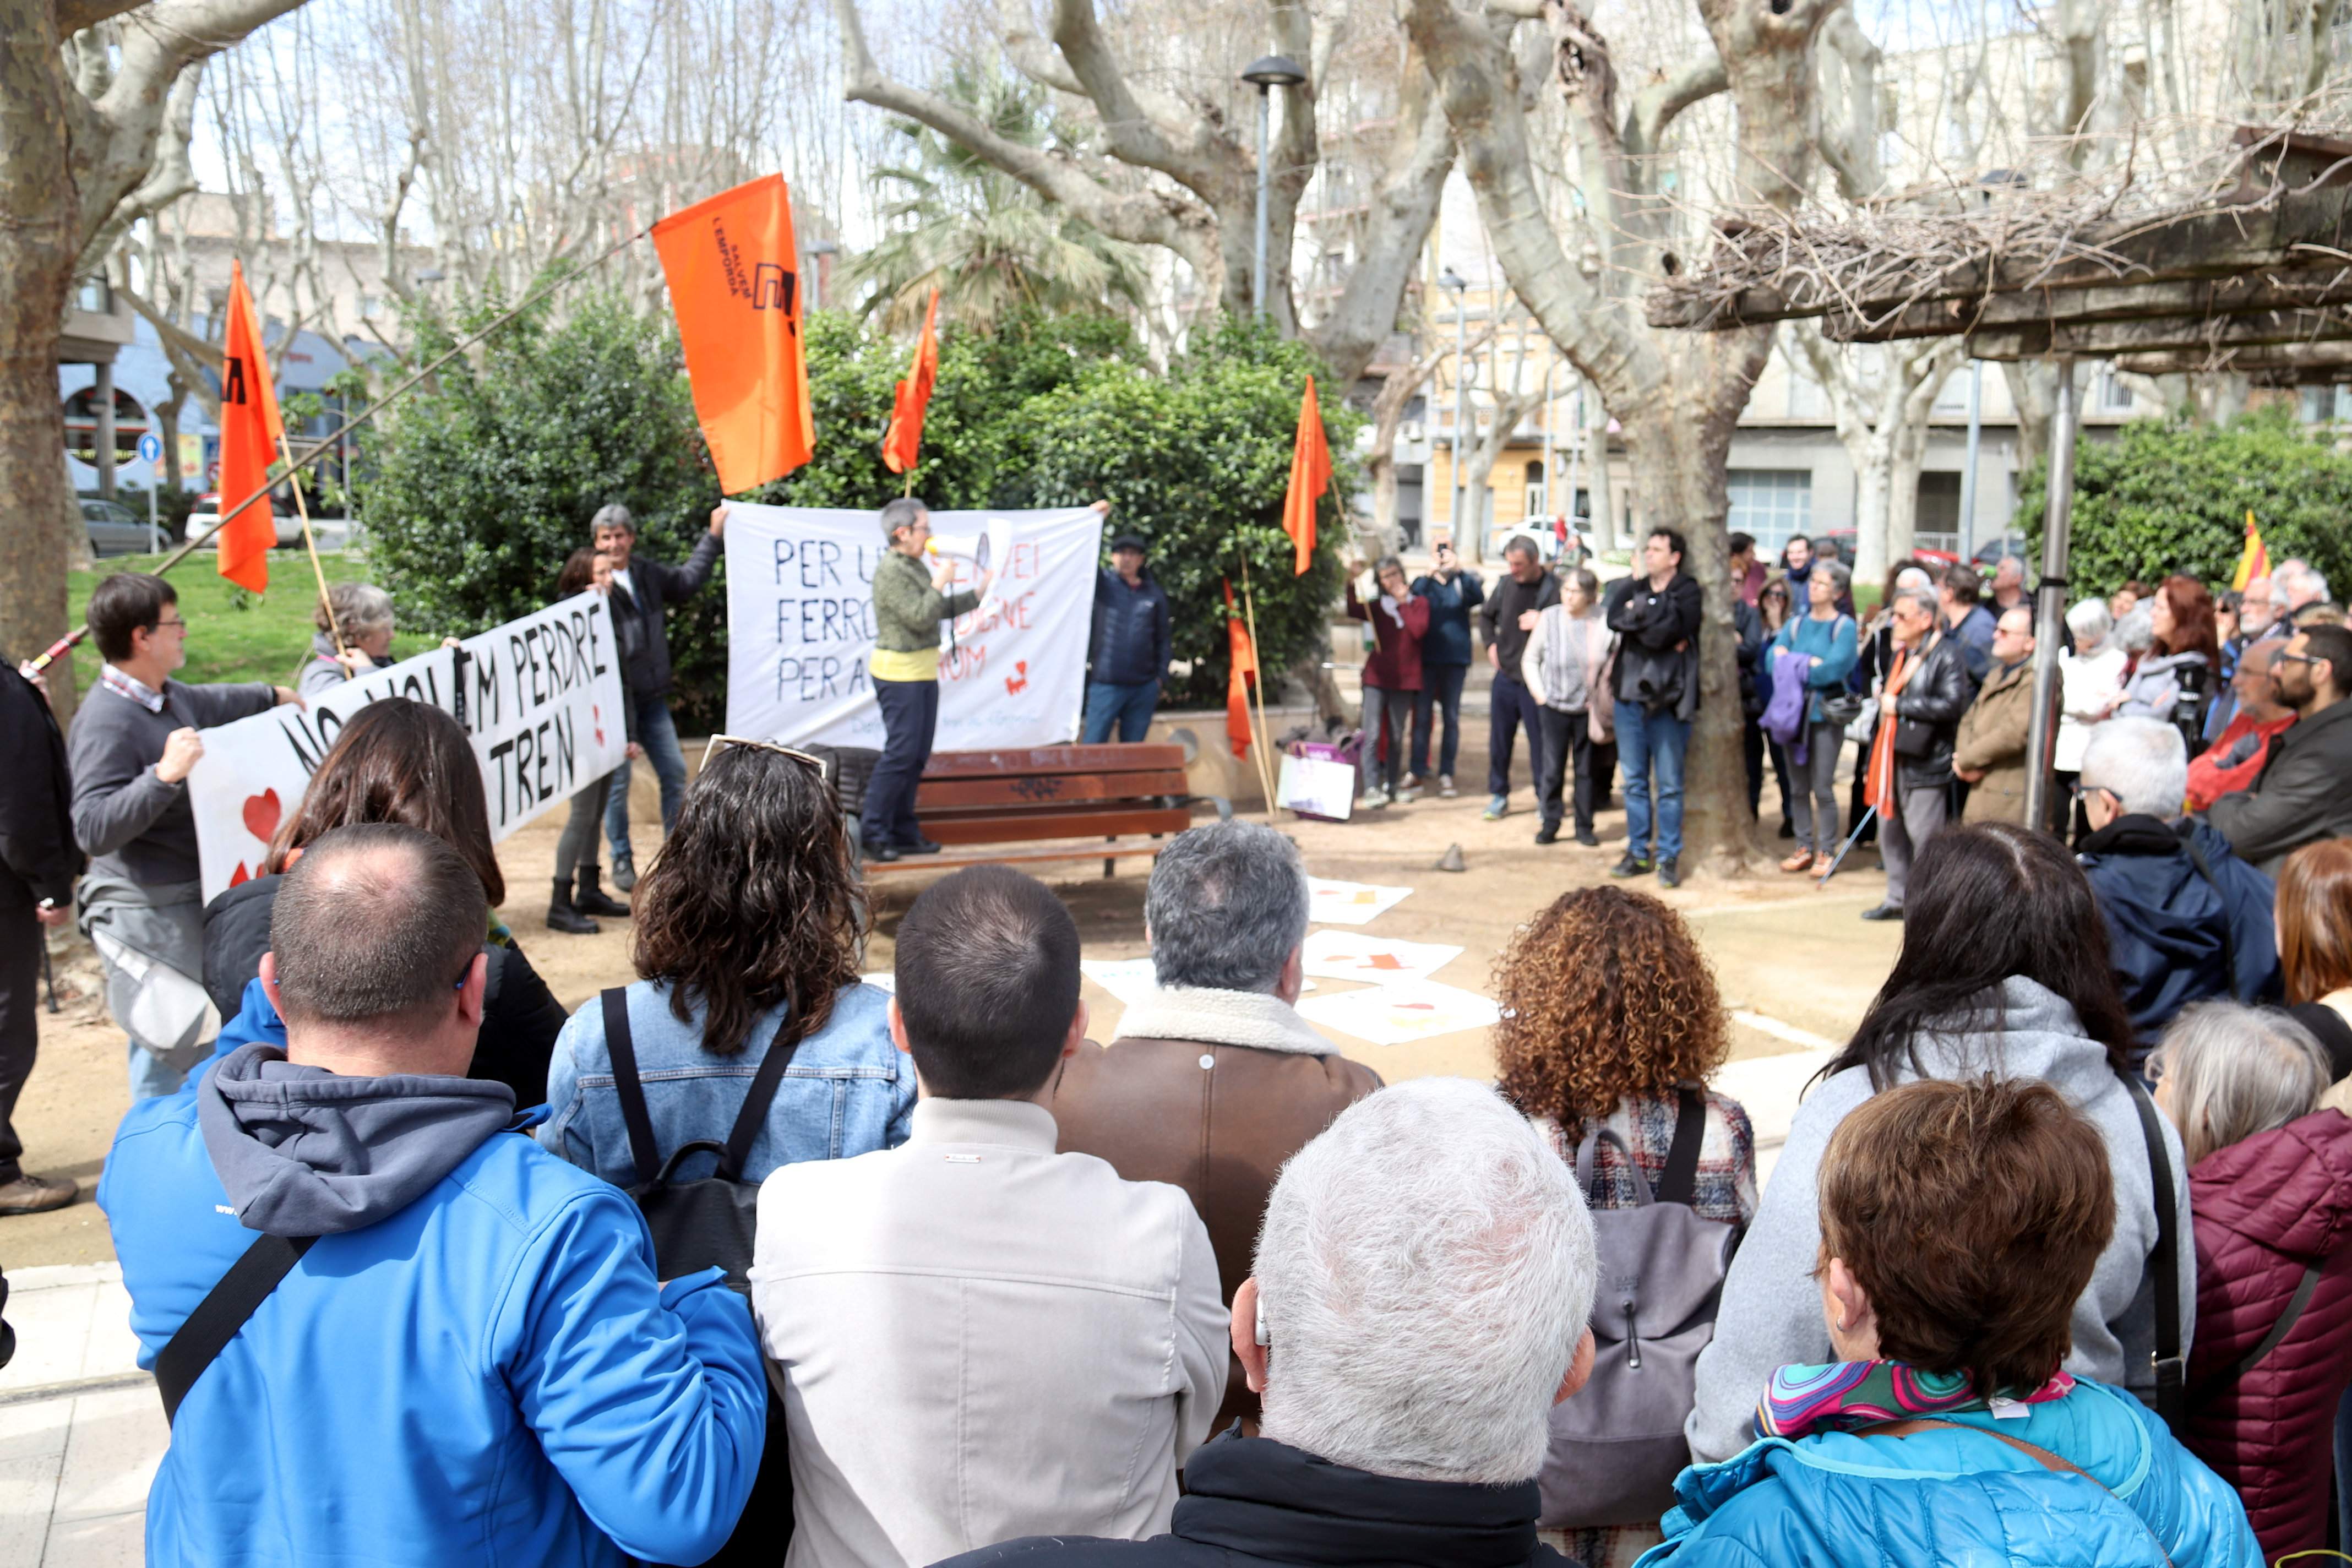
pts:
[1989, 753]
[1213, 1080]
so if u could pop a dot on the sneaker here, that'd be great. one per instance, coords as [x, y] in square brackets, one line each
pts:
[1802, 860]
[37, 1194]
[886, 853]
[1590, 839]
[1412, 780]
[1548, 834]
[1883, 913]
[1631, 866]
[1374, 799]
[1406, 794]
[1668, 875]
[1497, 808]
[1446, 786]
[624, 873]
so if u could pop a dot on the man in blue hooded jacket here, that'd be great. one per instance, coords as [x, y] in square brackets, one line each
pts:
[473, 1363]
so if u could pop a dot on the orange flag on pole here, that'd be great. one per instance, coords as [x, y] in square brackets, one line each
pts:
[734, 282]
[1245, 670]
[2256, 559]
[1310, 476]
[903, 442]
[250, 432]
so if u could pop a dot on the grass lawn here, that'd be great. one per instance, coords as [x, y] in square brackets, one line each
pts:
[236, 635]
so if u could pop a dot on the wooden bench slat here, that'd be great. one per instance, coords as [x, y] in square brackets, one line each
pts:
[1045, 789]
[1003, 829]
[1011, 760]
[1013, 857]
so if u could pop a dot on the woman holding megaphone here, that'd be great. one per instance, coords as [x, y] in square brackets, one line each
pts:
[909, 603]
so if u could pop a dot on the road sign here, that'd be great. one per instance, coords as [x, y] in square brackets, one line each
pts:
[150, 447]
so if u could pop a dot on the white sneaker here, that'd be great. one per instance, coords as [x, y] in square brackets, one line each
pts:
[1372, 799]
[1446, 786]
[1406, 794]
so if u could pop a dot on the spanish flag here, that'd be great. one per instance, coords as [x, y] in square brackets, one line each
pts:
[1310, 476]
[1245, 670]
[903, 442]
[2255, 561]
[734, 282]
[250, 435]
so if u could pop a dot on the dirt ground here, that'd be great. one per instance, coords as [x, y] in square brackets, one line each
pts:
[1796, 967]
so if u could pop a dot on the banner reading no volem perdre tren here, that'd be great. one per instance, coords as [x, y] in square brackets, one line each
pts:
[800, 627]
[540, 698]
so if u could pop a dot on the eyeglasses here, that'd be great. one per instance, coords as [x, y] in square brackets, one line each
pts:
[161, 625]
[2279, 659]
[776, 746]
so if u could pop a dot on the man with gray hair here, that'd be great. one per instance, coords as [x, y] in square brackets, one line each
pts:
[1419, 1302]
[643, 591]
[1213, 1080]
[2186, 919]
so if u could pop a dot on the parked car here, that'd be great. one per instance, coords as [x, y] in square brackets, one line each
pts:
[116, 530]
[1843, 539]
[1993, 552]
[207, 513]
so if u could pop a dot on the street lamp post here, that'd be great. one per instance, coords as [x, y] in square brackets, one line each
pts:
[1264, 74]
[1451, 282]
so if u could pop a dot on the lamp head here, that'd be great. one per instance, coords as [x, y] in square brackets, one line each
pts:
[1274, 70]
[1450, 281]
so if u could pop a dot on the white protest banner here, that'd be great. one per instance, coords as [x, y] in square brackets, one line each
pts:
[253, 773]
[800, 625]
[543, 701]
[540, 697]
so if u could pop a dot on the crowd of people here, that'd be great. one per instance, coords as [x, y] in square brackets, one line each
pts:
[758, 1256]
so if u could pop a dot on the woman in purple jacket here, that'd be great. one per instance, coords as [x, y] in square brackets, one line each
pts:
[1399, 619]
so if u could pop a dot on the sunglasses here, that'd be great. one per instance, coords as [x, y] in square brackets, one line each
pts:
[776, 746]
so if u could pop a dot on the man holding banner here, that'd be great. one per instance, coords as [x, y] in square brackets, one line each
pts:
[908, 606]
[134, 743]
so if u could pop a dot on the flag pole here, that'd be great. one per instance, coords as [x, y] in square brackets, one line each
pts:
[1257, 656]
[331, 440]
[310, 541]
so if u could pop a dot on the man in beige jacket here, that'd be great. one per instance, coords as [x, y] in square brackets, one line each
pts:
[1990, 750]
[981, 1338]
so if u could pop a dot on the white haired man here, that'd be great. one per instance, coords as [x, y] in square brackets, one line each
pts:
[2186, 919]
[1420, 1304]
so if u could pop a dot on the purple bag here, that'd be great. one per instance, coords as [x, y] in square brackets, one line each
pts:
[1784, 715]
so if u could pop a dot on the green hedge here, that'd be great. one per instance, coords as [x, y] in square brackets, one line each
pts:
[483, 484]
[2167, 496]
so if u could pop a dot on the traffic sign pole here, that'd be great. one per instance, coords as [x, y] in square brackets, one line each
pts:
[150, 452]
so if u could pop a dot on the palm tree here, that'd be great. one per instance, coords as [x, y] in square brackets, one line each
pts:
[988, 243]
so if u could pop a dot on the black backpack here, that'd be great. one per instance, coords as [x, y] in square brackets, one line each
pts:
[711, 1223]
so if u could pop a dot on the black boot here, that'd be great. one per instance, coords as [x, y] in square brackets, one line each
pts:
[563, 917]
[592, 899]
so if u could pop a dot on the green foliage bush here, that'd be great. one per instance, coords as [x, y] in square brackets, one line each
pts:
[2167, 496]
[482, 485]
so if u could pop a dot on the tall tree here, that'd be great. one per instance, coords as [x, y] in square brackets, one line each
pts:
[84, 89]
[1676, 395]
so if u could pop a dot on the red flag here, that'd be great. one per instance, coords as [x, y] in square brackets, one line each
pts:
[250, 432]
[903, 442]
[734, 284]
[1310, 476]
[1245, 670]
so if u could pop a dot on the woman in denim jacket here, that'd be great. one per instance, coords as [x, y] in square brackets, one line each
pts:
[751, 905]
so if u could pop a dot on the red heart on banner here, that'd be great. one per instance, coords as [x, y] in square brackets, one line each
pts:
[1015, 688]
[261, 813]
[240, 875]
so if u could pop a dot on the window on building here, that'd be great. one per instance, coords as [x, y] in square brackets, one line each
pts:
[1938, 523]
[2113, 395]
[94, 296]
[2322, 405]
[1771, 504]
[1538, 498]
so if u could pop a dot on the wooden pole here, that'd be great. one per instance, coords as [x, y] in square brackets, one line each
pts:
[1265, 744]
[310, 543]
[59, 648]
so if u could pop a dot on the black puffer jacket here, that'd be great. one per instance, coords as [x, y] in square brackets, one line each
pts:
[655, 586]
[1937, 692]
[1251, 1502]
[1657, 662]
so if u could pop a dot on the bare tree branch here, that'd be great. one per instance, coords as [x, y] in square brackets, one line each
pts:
[1655, 106]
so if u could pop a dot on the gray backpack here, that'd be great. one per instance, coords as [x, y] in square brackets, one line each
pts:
[1618, 1445]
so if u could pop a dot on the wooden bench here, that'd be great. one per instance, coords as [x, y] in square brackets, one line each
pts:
[1098, 796]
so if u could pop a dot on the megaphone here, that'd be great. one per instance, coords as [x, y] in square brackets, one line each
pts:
[991, 546]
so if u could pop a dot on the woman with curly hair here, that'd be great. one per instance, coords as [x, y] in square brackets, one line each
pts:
[1611, 1023]
[747, 929]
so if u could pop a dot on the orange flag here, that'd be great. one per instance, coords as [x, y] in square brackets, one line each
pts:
[250, 432]
[903, 442]
[1245, 670]
[1310, 476]
[734, 282]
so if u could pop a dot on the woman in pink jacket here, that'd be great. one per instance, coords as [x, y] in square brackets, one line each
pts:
[1400, 619]
[2270, 1184]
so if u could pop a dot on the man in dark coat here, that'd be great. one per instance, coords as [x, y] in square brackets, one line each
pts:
[1656, 613]
[2300, 796]
[1407, 1417]
[1128, 647]
[1927, 690]
[2186, 919]
[1507, 616]
[643, 591]
[38, 863]
[1454, 591]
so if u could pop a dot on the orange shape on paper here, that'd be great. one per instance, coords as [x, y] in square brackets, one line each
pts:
[1382, 961]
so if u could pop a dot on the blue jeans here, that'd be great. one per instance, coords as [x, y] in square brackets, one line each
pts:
[1511, 705]
[1129, 708]
[658, 736]
[1440, 694]
[1652, 744]
[911, 712]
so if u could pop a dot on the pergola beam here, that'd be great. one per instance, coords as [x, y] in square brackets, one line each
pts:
[2101, 340]
[2275, 290]
[2283, 363]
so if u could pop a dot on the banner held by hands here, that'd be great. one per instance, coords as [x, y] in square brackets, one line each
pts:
[734, 282]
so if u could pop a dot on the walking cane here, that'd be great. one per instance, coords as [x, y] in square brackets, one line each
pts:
[49, 978]
[1847, 848]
